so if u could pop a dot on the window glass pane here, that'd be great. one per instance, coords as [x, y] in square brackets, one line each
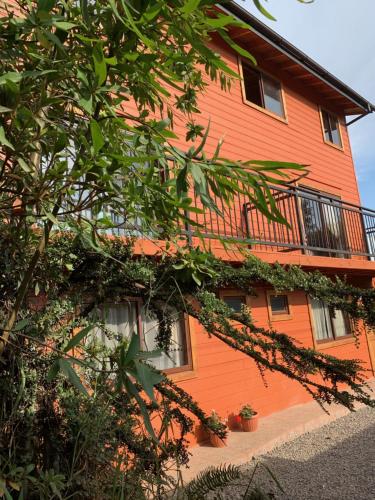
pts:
[322, 321]
[326, 126]
[335, 134]
[235, 302]
[252, 85]
[121, 321]
[331, 128]
[279, 304]
[272, 95]
[177, 355]
[340, 323]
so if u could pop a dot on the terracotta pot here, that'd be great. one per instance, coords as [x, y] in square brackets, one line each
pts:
[249, 424]
[215, 441]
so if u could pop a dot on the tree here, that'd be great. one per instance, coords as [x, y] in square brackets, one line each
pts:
[88, 92]
[82, 85]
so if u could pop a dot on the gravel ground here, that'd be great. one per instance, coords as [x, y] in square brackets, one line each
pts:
[335, 462]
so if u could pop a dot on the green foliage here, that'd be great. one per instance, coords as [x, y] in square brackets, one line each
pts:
[210, 480]
[109, 419]
[247, 412]
[216, 422]
[214, 480]
[56, 442]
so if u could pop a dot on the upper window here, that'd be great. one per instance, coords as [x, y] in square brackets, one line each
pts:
[331, 128]
[262, 90]
[123, 319]
[329, 324]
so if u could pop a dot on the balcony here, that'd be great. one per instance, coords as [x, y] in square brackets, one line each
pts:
[318, 225]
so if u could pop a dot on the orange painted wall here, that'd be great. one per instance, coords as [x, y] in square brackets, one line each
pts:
[224, 379]
[251, 134]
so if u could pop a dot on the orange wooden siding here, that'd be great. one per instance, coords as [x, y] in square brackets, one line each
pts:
[224, 379]
[249, 133]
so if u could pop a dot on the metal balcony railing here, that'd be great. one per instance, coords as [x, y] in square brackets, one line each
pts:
[318, 224]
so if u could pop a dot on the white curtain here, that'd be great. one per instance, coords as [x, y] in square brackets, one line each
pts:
[121, 321]
[177, 354]
[339, 323]
[322, 320]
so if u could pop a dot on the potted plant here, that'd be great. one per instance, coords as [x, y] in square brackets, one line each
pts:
[216, 424]
[249, 419]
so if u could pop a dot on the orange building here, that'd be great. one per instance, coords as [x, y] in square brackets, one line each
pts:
[288, 109]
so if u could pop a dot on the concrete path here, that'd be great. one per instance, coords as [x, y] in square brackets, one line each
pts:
[273, 431]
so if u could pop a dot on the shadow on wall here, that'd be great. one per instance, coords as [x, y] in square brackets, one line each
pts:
[322, 470]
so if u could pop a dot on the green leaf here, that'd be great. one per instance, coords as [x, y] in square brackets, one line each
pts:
[3, 140]
[25, 167]
[64, 25]
[52, 218]
[237, 48]
[72, 376]
[220, 21]
[100, 66]
[78, 337]
[132, 390]
[190, 6]
[54, 39]
[148, 378]
[46, 5]
[97, 136]
[261, 9]
[53, 371]
[84, 11]
[86, 104]
[152, 11]
[21, 325]
[133, 349]
[12, 76]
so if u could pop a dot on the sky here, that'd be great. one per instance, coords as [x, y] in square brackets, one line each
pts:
[339, 35]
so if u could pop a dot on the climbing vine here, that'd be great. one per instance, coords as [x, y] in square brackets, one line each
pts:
[83, 418]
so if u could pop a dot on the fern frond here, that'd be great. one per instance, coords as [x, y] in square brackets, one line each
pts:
[211, 479]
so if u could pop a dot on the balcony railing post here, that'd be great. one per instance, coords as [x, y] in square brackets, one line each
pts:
[300, 222]
[364, 232]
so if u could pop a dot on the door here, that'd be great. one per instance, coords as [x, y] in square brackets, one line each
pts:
[324, 225]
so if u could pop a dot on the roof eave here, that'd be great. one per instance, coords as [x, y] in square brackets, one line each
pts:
[297, 55]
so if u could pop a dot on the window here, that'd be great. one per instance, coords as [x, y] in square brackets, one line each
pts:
[128, 317]
[329, 324]
[179, 352]
[262, 90]
[278, 306]
[331, 128]
[234, 301]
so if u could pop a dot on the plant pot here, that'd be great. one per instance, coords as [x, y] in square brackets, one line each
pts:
[249, 424]
[215, 441]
